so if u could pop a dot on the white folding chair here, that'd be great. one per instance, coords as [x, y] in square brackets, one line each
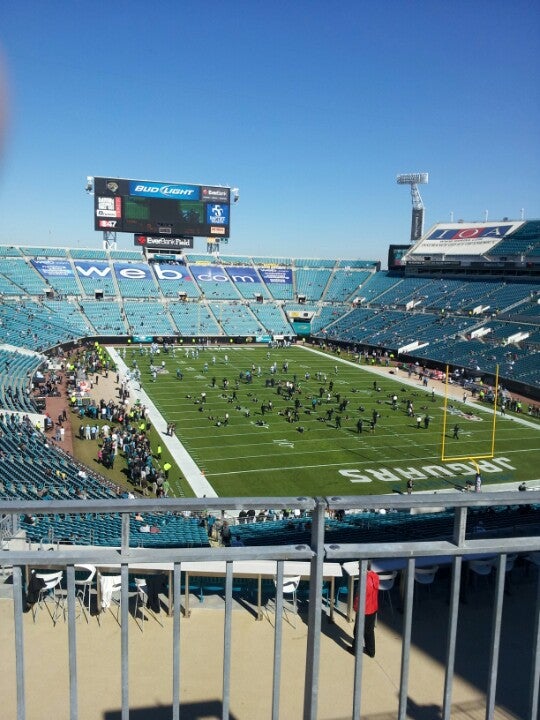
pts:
[289, 589]
[386, 583]
[426, 575]
[84, 577]
[111, 586]
[481, 568]
[50, 590]
[141, 600]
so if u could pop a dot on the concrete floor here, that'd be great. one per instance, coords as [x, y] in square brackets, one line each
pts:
[150, 684]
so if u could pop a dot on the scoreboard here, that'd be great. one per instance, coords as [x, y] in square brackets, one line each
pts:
[162, 209]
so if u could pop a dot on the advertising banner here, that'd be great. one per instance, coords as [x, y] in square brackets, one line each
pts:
[53, 268]
[160, 242]
[92, 268]
[243, 275]
[132, 271]
[277, 275]
[209, 273]
[166, 191]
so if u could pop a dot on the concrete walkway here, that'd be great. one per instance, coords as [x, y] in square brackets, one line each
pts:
[150, 665]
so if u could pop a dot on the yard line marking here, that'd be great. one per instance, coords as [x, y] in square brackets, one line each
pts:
[318, 465]
[284, 443]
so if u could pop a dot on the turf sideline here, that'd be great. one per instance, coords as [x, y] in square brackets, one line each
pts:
[190, 470]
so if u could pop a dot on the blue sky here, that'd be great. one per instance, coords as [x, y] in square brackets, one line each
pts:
[310, 108]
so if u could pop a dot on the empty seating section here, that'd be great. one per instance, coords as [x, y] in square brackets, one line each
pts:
[311, 283]
[166, 530]
[44, 252]
[272, 318]
[65, 284]
[194, 258]
[16, 373]
[249, 291]
[358, 324]
[526, 367]
[148, 318]
[402, 329]
[98, 280]
[313, 263]
[273, 262]
[236, 260]
[173, 288]
[194, 318]
[9, 288]
[236, 319]
[280, 290]
[358, 264]
[409, 289]
[526, 310]
[377, 284]
[136, 287]
[88, 254]
[501, 331]
[345, 285]
[515, 246]
[106, 317]
[470, 295]
[373, 527]
[7, 251]
[327, 315]
[474, 354]
[71, 315]
[214, 290]
[24, 455]
[439, 294]
[33, 326]
[127, 255]
[23, 275]
[510, 294]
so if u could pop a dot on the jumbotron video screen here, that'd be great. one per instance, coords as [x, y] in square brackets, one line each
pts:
[158, 208]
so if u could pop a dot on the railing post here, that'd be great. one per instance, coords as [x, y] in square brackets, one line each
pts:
[176, 581]
[495, 637]
[406, 646]
[535, 664]
[460, 525]
[72, 644]
[19, 641]
[311, 685]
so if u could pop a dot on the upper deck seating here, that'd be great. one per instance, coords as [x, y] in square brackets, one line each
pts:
[106, 317]
[148, 318]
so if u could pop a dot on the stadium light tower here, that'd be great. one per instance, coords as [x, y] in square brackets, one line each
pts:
[417, 222]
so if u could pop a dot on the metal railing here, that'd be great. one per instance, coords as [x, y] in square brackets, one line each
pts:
[458, 548]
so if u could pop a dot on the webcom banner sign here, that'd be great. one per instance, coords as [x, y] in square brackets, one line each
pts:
[153, 242]
[243, 275]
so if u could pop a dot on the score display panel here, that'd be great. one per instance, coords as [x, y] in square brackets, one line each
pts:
[157, 208]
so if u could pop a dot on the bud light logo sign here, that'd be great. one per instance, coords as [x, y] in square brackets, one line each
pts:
[165, 191]
[217, 214]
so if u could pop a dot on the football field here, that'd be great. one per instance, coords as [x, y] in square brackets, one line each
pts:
[291, 422]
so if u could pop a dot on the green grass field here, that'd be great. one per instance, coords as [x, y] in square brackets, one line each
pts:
[255, 454]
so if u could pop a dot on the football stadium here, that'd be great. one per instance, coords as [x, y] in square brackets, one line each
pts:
[206, 456]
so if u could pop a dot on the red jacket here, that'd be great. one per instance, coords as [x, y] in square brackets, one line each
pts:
[372, 594]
